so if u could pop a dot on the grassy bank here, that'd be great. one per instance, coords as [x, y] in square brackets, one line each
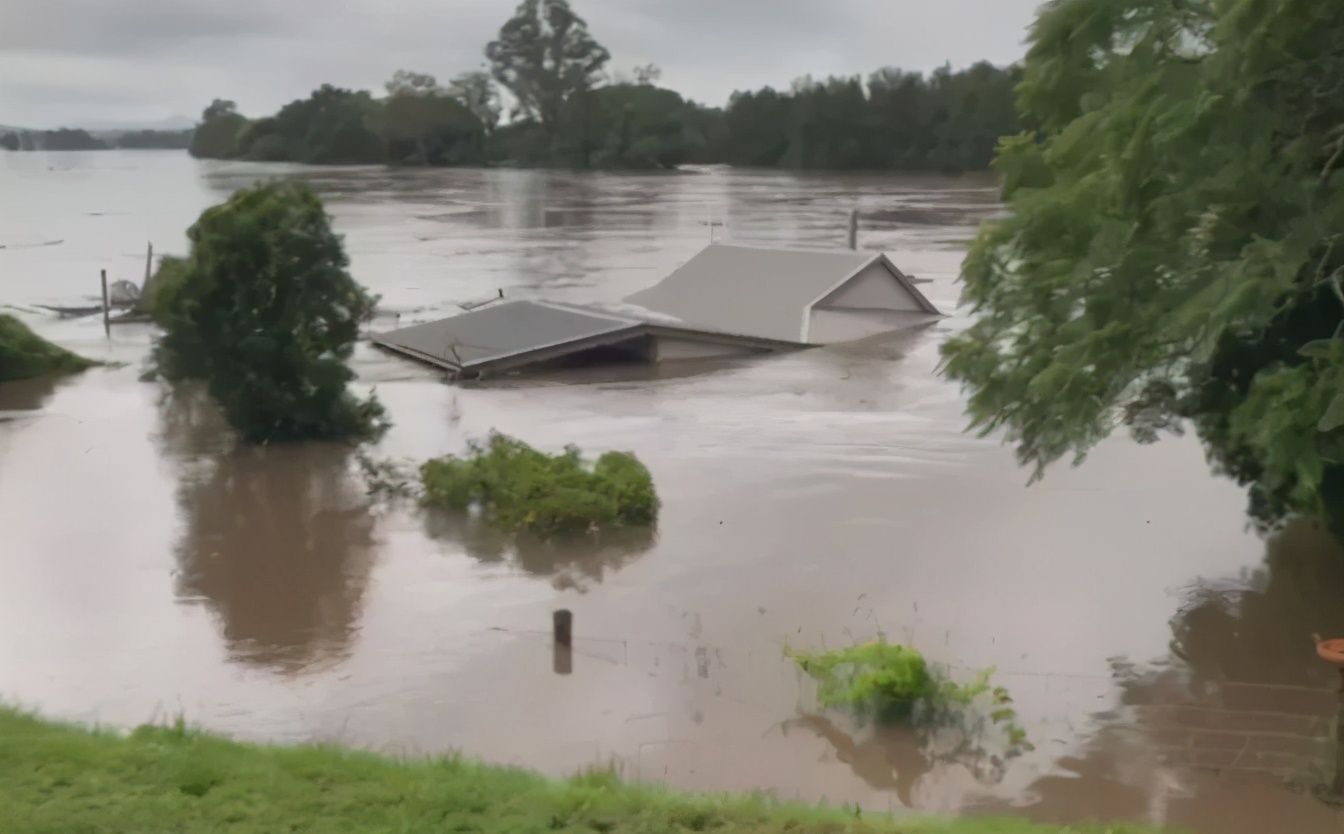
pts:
[55, 778]
[25, 355]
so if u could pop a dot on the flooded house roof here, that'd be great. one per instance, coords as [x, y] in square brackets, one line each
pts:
[766, 292]
[726, 301]
[515, 334]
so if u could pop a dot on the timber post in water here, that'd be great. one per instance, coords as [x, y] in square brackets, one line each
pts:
[854, 229]
[149, 267]
[107, 306]
[1339, 740]
[563, 628]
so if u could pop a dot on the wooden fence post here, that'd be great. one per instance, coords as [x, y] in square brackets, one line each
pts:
[107, 306]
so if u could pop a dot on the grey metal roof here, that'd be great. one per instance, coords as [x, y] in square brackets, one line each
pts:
[752, 291]
[502, 330]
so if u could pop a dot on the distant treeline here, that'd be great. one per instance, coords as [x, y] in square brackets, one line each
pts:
[67, 139]
[567, 111]
[948, 121]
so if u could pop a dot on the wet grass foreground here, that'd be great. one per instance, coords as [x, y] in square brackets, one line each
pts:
[59, 778]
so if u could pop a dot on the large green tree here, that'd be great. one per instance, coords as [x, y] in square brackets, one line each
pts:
[216, 137]
[547, 59]
[333, 126]
[422, 122]
[1176, 245]
[266, 313]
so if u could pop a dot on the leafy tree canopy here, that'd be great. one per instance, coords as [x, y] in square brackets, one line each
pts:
[265, 314]
[217, 135]
[544, 56]
[1176, 244]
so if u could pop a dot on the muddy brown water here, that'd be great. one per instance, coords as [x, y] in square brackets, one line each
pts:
[1157, 650]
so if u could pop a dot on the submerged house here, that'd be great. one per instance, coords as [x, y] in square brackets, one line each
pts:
[727, 301]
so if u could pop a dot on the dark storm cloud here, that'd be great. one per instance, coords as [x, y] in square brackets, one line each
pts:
[71, 61]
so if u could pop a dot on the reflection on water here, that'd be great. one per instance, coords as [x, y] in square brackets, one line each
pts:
[1241, 703]
[27, 394]
[1258, 629]
[278, 542]
[887, 758]
[571, 563]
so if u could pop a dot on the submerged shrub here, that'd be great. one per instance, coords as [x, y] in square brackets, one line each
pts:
[25, 355]
[890, 683]
[517, 487]
[159, 297]
[265, 313]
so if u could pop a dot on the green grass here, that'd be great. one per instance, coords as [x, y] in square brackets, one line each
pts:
[57, 779]
[26, 355]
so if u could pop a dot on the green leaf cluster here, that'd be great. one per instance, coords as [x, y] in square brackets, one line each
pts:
[890, 683]
[265, 313]
[518, 488]
[26, 355]
[1176, 239]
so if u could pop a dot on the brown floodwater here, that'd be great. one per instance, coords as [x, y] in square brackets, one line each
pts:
[1158, 651]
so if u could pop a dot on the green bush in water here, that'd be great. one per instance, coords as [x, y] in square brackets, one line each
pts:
[518, 488]
[889, 683]
[162, 292]
[25, 355]
[265, 312]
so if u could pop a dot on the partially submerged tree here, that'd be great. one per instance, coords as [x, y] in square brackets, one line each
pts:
[217, 135]
[266, 314]
[424, 123]
[26, 355]
[330, 127]
[546, 58]
[1176, 244]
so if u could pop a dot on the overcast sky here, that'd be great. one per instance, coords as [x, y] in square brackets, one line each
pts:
[78, 62]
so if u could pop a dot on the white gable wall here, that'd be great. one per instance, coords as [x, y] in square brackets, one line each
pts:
[831, 327]
[874, 288]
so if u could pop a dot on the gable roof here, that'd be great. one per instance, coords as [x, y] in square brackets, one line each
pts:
[762, 292]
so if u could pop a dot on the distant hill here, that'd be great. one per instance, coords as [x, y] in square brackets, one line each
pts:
[172, 123]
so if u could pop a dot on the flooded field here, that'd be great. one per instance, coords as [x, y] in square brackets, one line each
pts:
[1159, 652]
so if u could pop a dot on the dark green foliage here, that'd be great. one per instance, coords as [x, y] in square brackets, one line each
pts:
[265, 314]
[950, 121]
[330, 127]
[67, 139]
[159, 297]
[217, 135]
[519, 488]
[645, 127]
[25, 355]
[1175, 248]
[421, 123]
[546, 58]
[156, 139]
[890, 683]
[10, 141]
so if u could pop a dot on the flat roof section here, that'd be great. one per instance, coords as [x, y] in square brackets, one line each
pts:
[497, 332]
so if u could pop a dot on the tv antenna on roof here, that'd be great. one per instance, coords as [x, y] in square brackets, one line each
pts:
[712, 224]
